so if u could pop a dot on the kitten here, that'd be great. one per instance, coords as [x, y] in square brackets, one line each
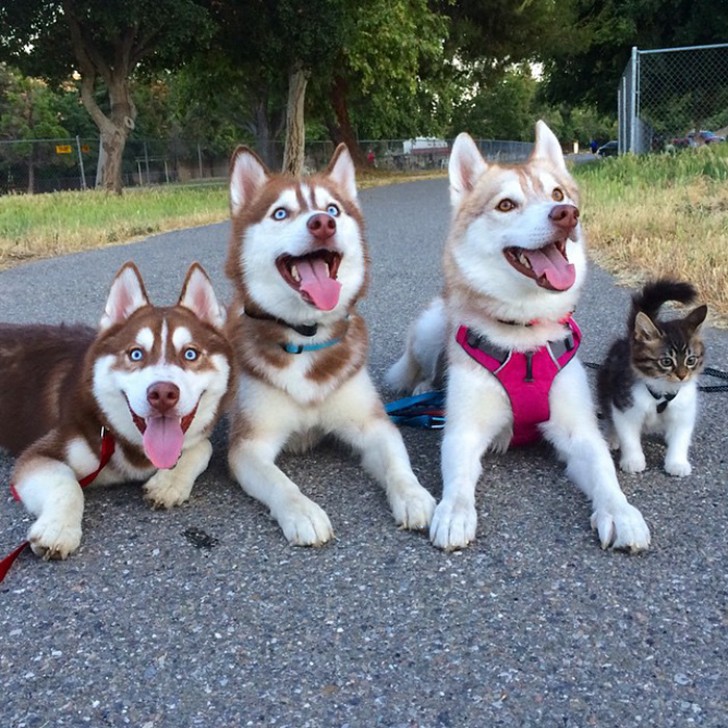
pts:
[649, 380]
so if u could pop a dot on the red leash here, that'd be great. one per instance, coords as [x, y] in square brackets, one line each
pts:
[107, 450]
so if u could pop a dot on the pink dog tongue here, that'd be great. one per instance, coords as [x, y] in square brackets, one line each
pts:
[316, 283]
[549, 263]
[163, 440]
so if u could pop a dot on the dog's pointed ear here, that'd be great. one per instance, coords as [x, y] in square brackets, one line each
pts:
[342, 171]
[127, 295]
[199, 297]
[465, 167]
[547, 146]
[247, 175]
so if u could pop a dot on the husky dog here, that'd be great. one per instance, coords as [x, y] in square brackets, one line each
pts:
[513, 266]
[147, 388]
[298, 263]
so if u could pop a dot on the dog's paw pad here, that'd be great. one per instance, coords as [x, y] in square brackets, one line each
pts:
[54, 539]
[305, 524]
[453, 526]
[413, 508]
[164, 490]
[623, 528]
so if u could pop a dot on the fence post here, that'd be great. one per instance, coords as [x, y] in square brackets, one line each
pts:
[634, 101]
[80, 163]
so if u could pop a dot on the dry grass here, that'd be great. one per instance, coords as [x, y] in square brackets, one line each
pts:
[671, 221]
[44, 226]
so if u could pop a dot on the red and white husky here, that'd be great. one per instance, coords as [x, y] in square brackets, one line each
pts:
[152, 379]
[513, 266]
[298, 263]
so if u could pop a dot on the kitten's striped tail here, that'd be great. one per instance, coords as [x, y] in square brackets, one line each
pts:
[654, 294]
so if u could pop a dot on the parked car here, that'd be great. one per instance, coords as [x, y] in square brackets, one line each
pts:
[709, 137]
[696, 139]
[610, 149]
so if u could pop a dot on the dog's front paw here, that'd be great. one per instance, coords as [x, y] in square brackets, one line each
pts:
[453, 525]
[165, 489]
[621, 528]
[412, 506]
[633, 463]
[304, 523]
[55, 538]
[678, 468]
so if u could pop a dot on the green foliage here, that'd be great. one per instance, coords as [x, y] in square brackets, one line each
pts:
[653, 170]
[599, 37]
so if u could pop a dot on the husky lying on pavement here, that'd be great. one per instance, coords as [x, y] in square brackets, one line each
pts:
[145, 391]
[297, 259]
[514, 263]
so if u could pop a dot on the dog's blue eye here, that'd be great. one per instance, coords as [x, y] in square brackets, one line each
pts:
[191, 354]
[333, 210]
[280, 213]
[136, 354]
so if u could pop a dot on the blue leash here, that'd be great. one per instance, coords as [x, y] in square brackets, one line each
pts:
[426, 410]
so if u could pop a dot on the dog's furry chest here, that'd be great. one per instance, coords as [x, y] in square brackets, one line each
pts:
[309, 377]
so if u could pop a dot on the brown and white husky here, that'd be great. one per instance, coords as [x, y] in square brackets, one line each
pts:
[513, 266]
[149, 385]
[298, 263]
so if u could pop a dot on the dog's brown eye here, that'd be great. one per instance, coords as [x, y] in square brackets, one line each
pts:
[557, 195]
[506, 205]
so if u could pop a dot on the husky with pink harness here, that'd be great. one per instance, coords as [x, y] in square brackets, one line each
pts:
[513, 265]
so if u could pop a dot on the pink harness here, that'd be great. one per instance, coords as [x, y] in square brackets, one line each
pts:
[526, 376]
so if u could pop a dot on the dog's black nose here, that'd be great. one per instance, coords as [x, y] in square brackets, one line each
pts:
[321, 226]
[163, 396]
[565, 216]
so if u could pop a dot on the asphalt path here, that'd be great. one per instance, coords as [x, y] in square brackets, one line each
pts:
[204, 616]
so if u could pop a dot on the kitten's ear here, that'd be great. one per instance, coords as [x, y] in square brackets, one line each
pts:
[644, 329]
[695, 318]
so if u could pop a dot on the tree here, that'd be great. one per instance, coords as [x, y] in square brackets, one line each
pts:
[379, 75]
[105, 43]
[288, 40]
[28, 112]
[599, 37]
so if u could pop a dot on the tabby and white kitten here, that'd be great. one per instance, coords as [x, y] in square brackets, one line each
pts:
[649, 380]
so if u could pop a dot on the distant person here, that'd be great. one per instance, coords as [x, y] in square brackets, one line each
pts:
[371, 158]
[594, 145]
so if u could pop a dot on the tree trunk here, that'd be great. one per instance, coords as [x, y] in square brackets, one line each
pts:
[293, 154]
[31, 171]
[344, 131]
[263, 140]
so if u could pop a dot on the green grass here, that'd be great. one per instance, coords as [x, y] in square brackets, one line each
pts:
[63, 222]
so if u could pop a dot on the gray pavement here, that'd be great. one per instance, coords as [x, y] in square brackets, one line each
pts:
[153, 625]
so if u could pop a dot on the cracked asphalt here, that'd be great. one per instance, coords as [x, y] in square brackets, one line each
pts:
[204, 616]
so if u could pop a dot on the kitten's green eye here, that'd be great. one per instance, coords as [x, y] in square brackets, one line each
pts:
[665, 362]
[691, 361]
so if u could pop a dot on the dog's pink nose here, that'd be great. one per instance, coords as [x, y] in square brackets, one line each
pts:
[163, 396]
[321, 225]
[565, 216]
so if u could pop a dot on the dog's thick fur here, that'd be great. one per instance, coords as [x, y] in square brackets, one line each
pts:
[513, 266]
[298, 262]
[154, 378]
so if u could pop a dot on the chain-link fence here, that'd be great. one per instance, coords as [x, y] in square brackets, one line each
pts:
[673, 98]
[46, 165]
